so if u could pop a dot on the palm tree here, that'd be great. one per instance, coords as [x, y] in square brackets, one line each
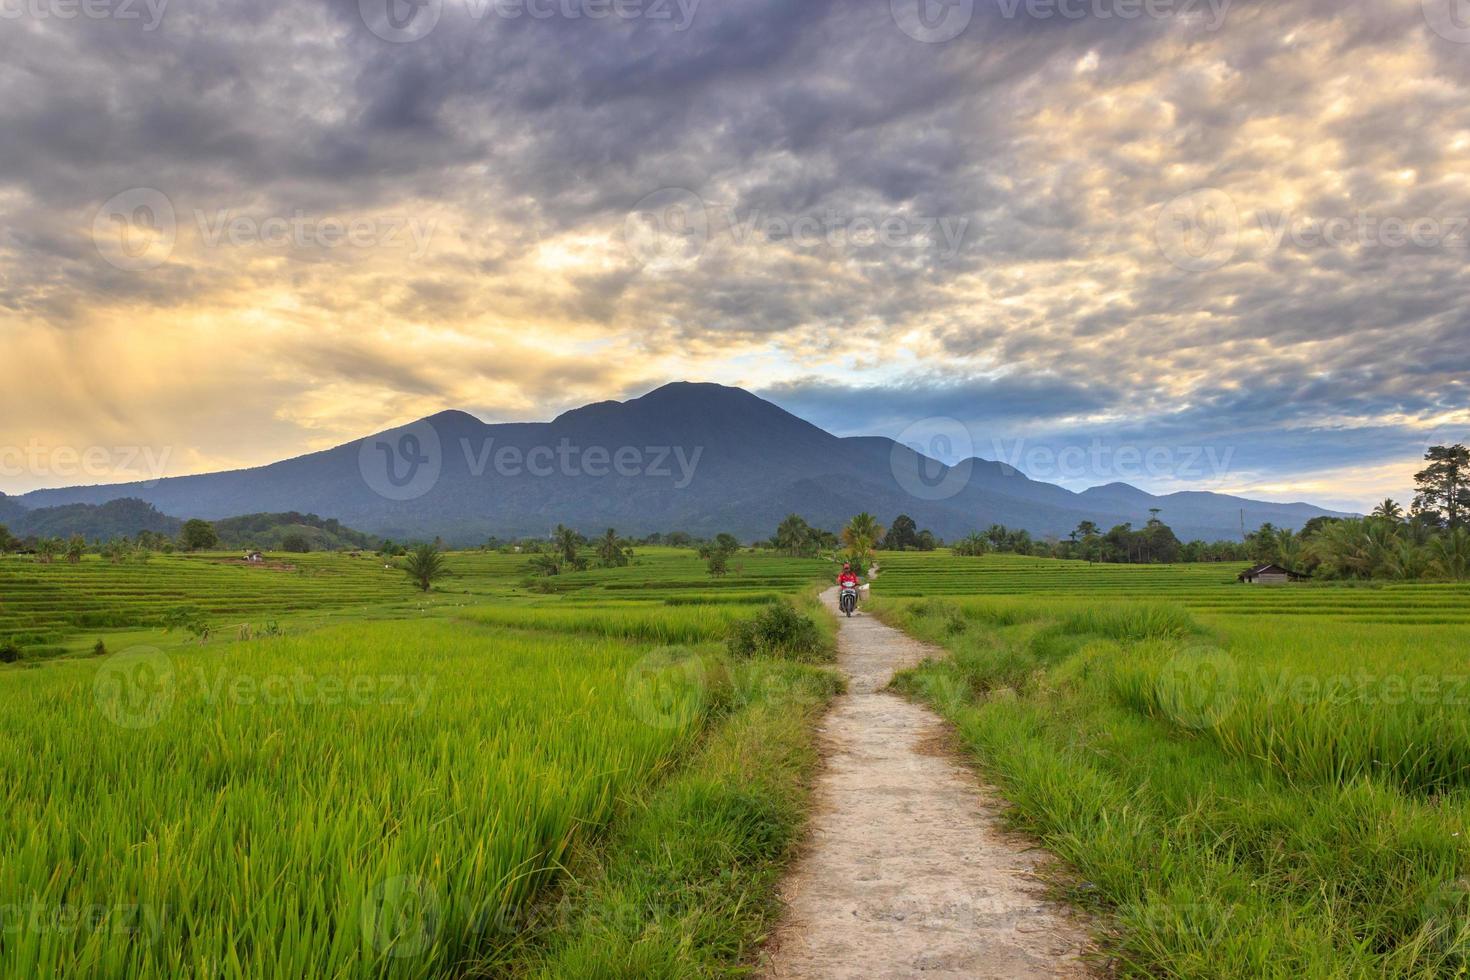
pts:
[567, 541]
[973, 546]
[47, 549]
[1289, 548]
[610, 548]
[860, 535]
[424, 565]
[1407, 561]
[1389, 510]
[1341, 549]
[75, 548]
[793, 536]
[1449, 555]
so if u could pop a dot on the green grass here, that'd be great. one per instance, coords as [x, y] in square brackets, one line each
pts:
[392, 786]
[1246, 781]
[648, 909]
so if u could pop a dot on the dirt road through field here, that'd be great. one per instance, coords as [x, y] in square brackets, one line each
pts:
[907, 871]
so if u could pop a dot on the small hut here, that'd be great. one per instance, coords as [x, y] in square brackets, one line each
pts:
[1271, 574]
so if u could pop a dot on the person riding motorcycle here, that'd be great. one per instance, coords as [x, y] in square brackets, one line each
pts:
[847, 586]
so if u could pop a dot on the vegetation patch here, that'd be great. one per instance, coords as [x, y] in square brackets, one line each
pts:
[687, 884]
[778, 630]
[1245, 785]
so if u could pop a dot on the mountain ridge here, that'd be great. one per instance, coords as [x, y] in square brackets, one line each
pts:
[688, 456]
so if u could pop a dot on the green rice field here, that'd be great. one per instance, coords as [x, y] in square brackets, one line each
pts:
[1241, 780]
[474, 782]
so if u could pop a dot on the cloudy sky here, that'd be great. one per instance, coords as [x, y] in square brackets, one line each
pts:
[1228, 238]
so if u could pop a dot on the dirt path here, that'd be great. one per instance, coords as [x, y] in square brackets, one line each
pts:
[907, 871]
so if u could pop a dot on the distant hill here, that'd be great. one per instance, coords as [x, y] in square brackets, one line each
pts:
[127, 516]
[12, 511]
[123, 517]
[270, 531]
[698, 457]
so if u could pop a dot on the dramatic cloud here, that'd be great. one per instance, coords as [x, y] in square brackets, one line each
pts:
[242, 231]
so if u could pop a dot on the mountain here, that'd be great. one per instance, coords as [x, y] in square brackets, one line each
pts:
[697, 457]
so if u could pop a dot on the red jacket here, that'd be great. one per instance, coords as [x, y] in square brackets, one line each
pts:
[847, 579]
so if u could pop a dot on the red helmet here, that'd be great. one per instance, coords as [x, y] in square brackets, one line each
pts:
[847, 566]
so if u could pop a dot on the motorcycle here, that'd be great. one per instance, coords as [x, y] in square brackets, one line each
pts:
[847, 599]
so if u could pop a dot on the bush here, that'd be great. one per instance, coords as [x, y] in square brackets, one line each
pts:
[296, 544]
[779, 631]
[100, 650]
[9, 652]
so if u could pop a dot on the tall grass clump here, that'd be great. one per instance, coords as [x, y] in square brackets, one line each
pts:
[777, 631]
[1132, 621]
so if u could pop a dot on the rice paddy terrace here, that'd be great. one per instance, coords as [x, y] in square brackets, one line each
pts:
[1246, 780]
[57, 608]
[1204, 588]
[561, 778]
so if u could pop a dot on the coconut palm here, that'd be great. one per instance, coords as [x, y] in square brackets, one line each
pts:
[1389, 510]
[860, 536]
[567, 542]
[611, 550]
[793, 535]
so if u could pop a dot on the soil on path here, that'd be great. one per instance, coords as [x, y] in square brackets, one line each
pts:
[907, 870]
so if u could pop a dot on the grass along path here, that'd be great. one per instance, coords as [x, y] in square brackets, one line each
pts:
[907, 871]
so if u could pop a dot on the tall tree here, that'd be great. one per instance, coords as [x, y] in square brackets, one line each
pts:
[903, 534]
[199, 535]
[1441, 486]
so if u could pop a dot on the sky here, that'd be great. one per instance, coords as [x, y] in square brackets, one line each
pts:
[1186, 244]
